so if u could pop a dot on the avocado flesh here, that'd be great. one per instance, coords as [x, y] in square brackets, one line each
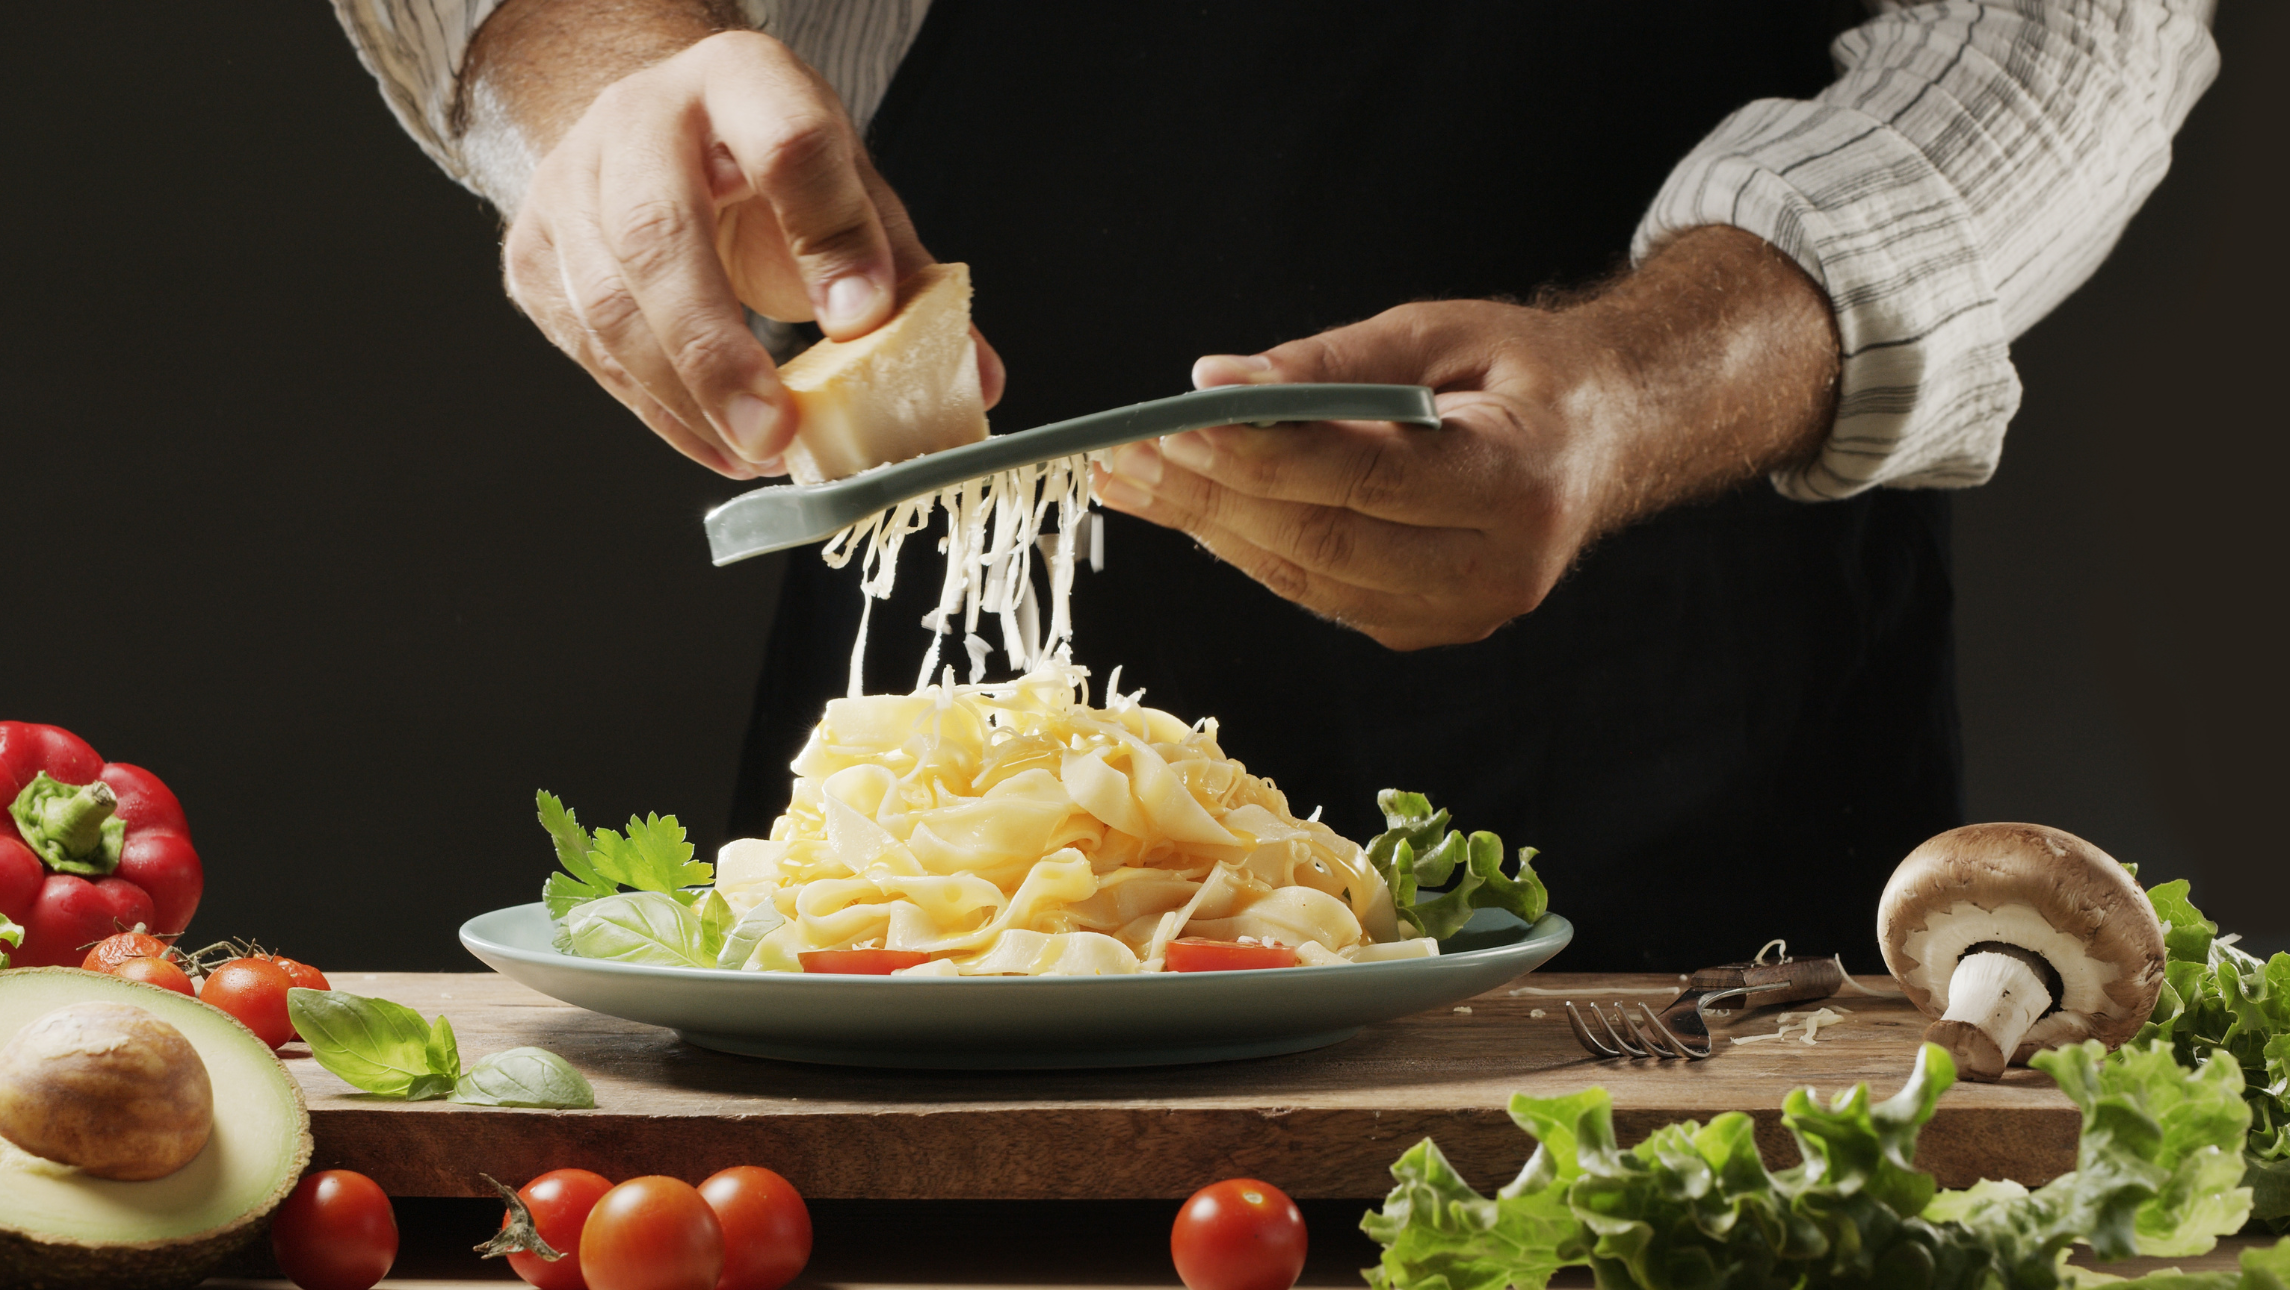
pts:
[61, 1227]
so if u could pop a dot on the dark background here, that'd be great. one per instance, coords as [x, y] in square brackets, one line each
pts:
[300, 514]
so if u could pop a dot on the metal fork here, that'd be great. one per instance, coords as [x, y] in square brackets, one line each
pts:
[1619, 1034]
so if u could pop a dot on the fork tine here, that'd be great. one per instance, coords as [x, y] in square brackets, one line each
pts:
[1615, 1032]
[1583, 1036]
[1651, 1048]
[1678, 1047]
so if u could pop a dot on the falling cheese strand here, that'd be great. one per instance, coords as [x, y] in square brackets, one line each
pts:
[993, 528]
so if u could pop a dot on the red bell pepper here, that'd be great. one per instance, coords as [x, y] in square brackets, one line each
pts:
[87, 847]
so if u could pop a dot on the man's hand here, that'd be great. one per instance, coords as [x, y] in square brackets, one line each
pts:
[685, 170]
[1713, 362]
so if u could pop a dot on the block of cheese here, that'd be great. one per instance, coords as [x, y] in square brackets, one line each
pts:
[906, 388]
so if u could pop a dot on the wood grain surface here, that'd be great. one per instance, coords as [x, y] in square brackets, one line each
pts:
[1319, 1124]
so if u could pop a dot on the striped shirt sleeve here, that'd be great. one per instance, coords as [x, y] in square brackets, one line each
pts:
[1971, 166]
[415, 49]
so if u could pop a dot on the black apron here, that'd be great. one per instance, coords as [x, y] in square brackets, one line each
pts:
[1728, 723]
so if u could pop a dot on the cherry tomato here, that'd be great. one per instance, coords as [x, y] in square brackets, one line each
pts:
[1239, 1234]
[861, 962]
[1199, 954]
[767, 1228]
[559, 1202]
[112, 951]
[301, 974]
[254, 991]
[155, 971]
[652, 1233]
[336, 1232]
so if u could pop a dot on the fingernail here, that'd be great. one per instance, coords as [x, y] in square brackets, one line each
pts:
[749, 421]
[1139, 462]
[1231, 369]
[1189, 450]
[849, 300]
[1122, 495]
[770, 466]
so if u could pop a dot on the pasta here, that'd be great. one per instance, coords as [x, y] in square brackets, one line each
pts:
[1012, 829]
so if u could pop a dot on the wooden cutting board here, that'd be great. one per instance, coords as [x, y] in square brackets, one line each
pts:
[1319, 1124]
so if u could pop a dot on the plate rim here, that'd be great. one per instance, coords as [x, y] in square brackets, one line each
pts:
[1552, 926]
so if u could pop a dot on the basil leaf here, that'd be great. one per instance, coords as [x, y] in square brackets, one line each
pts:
[443, 1051]
[525, 1077]
[372, 1044]
[716, 922]
[752, 927]
[637, 927]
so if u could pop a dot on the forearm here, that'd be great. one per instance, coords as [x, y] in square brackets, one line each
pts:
[1720, 365]
[536, 65]
[1971, 166]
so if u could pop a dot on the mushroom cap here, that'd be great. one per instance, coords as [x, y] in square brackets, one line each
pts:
[2044, 890]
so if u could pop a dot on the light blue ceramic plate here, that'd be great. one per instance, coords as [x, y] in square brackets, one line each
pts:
[1013, 1023]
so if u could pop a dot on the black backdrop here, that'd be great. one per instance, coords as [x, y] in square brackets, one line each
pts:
[299, 513]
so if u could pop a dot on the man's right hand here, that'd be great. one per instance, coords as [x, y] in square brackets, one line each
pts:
[725, 174]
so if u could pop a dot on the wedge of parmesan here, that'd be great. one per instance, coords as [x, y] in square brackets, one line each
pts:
[906, 388]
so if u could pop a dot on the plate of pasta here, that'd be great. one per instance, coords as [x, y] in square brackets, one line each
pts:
[1023, 868]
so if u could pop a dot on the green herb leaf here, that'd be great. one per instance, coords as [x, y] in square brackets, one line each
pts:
[580, 880]
[371, 1044]
[654, 856]
[1416, 850]
[10, 933]
[443, 1051]
[525, 1077]
[638, 927]
[753, 926]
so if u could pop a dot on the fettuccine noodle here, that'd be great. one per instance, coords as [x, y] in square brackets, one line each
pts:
[1012, 829]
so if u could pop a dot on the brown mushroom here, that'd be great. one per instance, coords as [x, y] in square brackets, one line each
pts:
[2018, 938]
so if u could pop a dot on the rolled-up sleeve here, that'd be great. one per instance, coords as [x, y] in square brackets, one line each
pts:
[415, 49]
[1971, 166]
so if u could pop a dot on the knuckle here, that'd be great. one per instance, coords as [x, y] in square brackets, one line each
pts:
[705, 355]
[803, 141]
[603, 306]
[1282, 578]
[1321, 538]
[1382, 479]
[649, 233]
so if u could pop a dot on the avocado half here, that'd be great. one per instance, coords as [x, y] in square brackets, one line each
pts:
[61, 1229]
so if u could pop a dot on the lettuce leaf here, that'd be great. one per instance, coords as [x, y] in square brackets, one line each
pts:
[1694, 1207]
[1417, 851]
[2220, 1002]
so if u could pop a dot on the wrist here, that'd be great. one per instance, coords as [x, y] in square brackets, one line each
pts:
[1718, 362]
[535, 66]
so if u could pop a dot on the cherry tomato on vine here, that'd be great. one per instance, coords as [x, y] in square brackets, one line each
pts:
[1239, 1234]
[155, 971]
[652, 1233]
[301, 974]
[336, 1232]
[767, 1227]
[559, 1201]
[112, 951]
[1199, 954]
[254, 991]
[861, 962]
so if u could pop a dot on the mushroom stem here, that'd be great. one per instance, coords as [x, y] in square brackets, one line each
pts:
[1992, 1000]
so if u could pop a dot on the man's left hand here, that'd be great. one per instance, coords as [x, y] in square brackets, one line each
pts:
[1713, 362]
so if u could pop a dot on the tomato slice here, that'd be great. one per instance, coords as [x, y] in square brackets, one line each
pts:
[1200, 954]
[861, 962]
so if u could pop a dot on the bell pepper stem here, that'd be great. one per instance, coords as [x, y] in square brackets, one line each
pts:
[74, 828]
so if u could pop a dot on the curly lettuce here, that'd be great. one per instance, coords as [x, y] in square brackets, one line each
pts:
[2219, 1001]
[1694, 1207]
[1417, 851]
